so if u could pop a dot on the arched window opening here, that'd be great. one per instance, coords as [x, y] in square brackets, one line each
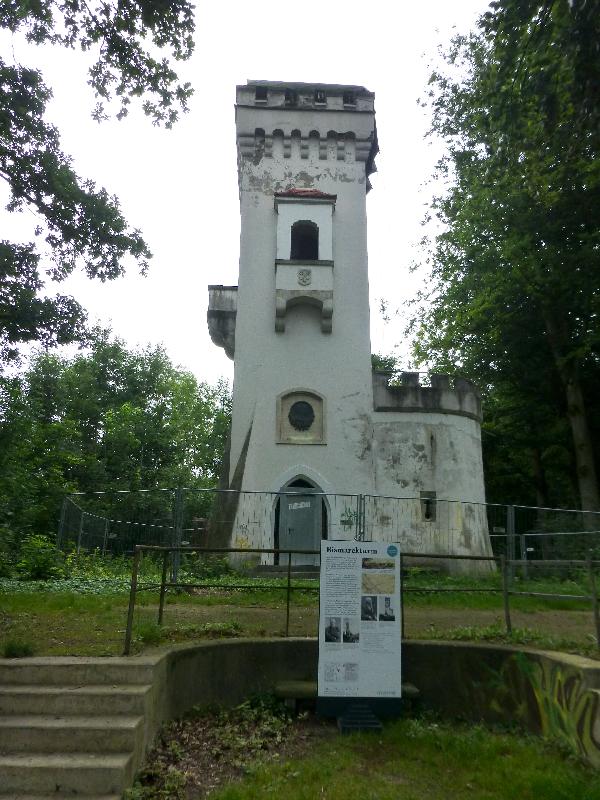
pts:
[305, 241]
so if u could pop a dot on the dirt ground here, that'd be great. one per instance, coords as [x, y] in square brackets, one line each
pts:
[196, 756]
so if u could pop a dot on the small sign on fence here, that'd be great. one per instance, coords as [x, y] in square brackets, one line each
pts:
[360, 625]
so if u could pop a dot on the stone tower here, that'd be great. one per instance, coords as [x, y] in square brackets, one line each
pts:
[309, 416]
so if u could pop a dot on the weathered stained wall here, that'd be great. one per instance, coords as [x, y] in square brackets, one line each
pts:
[300, 158]
[299, 150]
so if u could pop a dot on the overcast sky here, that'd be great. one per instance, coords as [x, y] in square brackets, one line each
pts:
[180, 186]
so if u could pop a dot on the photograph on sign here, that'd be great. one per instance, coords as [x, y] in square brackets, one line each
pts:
[360, 624]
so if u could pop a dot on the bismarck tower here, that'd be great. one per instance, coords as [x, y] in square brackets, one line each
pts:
[309, 416]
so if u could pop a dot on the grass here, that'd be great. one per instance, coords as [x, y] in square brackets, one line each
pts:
[496, 633]
[84, 615]
[421, 760]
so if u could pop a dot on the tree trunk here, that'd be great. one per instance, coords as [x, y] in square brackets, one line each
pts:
[582, 444]
[539, 479]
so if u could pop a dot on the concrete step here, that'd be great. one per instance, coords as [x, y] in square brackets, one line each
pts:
[91, 700]
[78, 671]
[84, 773]
[58, 734]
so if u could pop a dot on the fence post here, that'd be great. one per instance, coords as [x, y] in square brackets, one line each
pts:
[287, 604]
[163, 586]
[510, 538]
[133, 589]
[590, 564]
[80, 534]
[362, 515]
[61, 524]
[178, 534]
[505, 595]
[523, 544]
[106, 524]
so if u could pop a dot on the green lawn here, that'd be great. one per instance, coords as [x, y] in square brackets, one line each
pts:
[416, 760]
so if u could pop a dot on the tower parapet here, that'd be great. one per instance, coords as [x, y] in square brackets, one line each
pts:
[446, 394]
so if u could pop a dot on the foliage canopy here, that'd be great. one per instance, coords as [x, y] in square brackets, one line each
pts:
[515, 294]
[79, 224]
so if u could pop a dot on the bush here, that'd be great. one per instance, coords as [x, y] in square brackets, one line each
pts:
[149, 633]
[16, 648]
[7, 550]
[40, 560]
[203, 566]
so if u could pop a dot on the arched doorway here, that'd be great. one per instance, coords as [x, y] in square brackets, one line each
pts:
[300, 520]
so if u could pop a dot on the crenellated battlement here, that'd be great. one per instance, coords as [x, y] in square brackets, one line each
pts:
[315, 122]
[331, 145]
[446, 394]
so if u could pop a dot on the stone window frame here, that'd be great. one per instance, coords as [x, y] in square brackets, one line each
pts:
[285, 434]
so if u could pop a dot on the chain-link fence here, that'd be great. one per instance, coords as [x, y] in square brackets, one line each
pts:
[115, 522]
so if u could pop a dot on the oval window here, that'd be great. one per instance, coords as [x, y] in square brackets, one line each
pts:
[301, 415]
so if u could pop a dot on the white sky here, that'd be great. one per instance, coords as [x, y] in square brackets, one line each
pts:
[180, 186]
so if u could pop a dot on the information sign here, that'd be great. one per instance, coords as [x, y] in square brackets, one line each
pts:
[360, 626]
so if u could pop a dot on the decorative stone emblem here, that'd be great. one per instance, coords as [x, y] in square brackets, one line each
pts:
[304, 277]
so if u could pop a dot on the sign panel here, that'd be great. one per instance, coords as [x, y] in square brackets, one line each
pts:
[360, 625]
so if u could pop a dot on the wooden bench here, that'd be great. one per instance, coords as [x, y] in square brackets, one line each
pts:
[295, 692]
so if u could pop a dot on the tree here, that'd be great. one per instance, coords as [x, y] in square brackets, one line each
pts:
[79, 223]
[104, 420]
[516, 288]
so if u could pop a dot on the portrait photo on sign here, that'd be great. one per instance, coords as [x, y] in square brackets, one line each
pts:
[386, 613]
[350, 630]
[368, 608]
[378, 583]
[333, 629]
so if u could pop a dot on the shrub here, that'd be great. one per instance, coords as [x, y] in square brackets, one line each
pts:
[7, 550]
[40, 560]
[16, 648]
[149, 633]
[202, 566]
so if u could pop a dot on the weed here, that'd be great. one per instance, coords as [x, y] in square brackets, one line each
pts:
[156, 784]
[149, 633]
[17, 648]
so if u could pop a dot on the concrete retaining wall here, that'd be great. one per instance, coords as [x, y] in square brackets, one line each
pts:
[555, 695]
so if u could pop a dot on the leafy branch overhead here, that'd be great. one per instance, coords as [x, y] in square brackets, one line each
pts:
[117, 34]
[79, 223]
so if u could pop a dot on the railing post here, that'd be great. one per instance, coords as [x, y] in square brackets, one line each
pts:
[594, 598]
[130, 611]
[510, 537]
[288, 592]
[505, 595]
[163, 587]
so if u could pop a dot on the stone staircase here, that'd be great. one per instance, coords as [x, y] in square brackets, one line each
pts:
[73, 726]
